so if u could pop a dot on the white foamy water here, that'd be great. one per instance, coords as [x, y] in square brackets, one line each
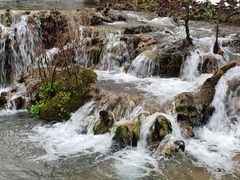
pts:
[215, 144]
[133, 163]
[218, 142]
[65, 139]
[163, 88]
[115, 53]
[162, 21]
[190, 67]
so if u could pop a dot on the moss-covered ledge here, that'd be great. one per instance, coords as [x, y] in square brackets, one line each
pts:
[56, 100]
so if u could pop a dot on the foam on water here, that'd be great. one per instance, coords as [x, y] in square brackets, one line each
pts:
[10, 112]
[163, 88]
[214, 146]
[64, 139]
[132, 163]
[190, 67]
[162, 21]
[218, 142]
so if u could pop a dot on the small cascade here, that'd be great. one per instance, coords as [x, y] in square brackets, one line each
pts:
[190, 69]
[220, 120]
[143, 66]
[18, 48]
[145, 128]
[141, 102]
[219, 141]
[101, 50]
[115, 53]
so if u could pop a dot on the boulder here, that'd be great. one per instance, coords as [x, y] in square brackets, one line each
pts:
[169, 147]
[104, 124]
[128, 133]
[19, 103]
[161, 127]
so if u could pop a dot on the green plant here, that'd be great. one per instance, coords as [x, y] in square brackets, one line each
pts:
[209, 12]
[36, 110]
[48, 90]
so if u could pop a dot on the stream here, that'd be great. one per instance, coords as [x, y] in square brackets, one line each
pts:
[33, 149]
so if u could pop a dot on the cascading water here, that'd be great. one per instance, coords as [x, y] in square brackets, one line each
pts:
[190, 67]
[218, 142]
[111, 56]
[74, 144]
[18, 48]
[115, 53]
[143, 66]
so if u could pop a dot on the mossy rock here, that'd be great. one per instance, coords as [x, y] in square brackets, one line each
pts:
[164, 64]
[94, 54]
[186, 109]
[6, 19]
[161, 127]
[56, 100]
[128, 133]
[158, 56]
[104, 124]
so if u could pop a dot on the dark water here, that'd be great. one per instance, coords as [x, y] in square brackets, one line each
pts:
[44, 4]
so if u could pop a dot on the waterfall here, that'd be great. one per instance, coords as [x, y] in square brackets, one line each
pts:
[143, 66]
[190, 67]
[115, 53]
[110, 55]
[219, 141]
[149, 88]
[18, 48]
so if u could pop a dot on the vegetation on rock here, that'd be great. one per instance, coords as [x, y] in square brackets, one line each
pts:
[161, 127]
[56, 100]
[128, 133]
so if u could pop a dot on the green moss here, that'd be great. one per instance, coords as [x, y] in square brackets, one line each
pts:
[166, 128]
[160, 129]
[158, 56]
[128, 133]
[153, 55]
[48, 90]
[123, 106]
[58, 99]
[36, 109]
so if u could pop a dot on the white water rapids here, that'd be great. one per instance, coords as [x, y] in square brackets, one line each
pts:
[213, 148]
